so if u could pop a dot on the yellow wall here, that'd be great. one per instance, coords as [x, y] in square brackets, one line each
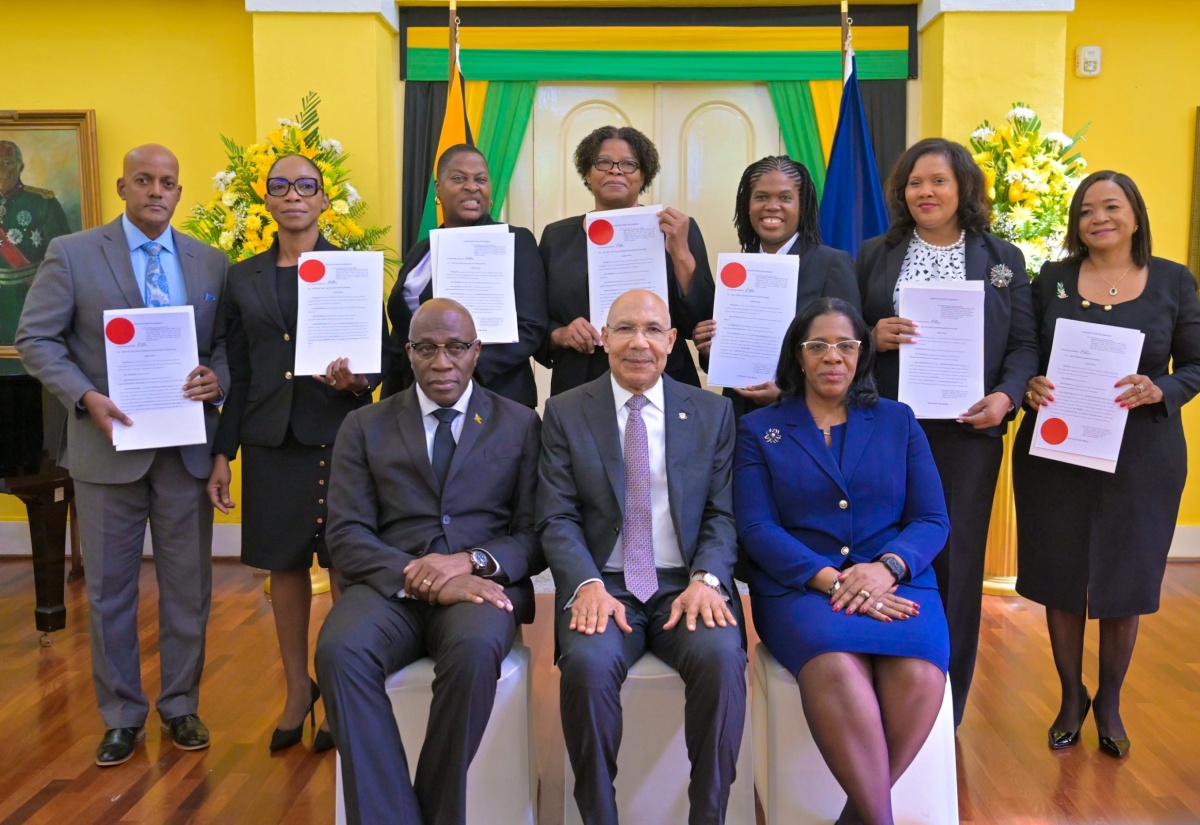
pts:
[180, 74]
[1143, 113]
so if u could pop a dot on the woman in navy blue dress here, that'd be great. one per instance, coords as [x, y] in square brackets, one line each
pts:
[840, 511]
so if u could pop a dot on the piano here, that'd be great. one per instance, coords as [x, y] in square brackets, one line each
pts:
[32, 428]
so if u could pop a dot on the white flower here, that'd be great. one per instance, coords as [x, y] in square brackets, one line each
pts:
[1021, 113]
[221, 180]
[330, 145]
[229, 198]
[225, 241]
[15, 235]
[352, 196]
[283, 121]
[1058, 137]
[340, 207]
[983, 133]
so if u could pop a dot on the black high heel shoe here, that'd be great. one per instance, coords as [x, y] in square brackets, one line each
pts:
[1060, 739]
[281, 738]
[1116, 748]
[323, 741]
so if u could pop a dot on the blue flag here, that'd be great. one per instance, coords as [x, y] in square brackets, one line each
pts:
[852, 208]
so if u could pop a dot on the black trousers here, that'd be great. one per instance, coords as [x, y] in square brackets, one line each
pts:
[969, 464]
[712, 663]
[365, 638]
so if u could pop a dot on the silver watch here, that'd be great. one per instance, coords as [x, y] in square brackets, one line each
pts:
[709, 579]
[479, 561]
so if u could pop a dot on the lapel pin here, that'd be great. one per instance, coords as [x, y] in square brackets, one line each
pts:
[478, 420]
[1001, 276]
[772, 436]
[1061, 291]
[683, 416]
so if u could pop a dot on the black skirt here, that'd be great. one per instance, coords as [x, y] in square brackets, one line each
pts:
[283, 498]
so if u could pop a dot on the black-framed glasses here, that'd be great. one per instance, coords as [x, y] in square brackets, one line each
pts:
[627, 167]
[454, 349]
[651, 333]
[819, 348]
[305, 187]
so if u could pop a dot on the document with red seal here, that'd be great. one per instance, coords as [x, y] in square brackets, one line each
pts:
[755, 304]
[339, 313]
[1084, 424]
[625, 250]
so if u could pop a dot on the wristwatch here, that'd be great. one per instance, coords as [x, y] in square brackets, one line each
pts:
[894, 566]
[480, 561]
[708, 578]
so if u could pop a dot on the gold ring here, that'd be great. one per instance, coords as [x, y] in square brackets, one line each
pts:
[866, 594]
[1138, 387]
[1029, 394]
[879, 606]
[427, 582]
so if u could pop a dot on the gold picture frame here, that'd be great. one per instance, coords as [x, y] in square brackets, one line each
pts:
[49, 186]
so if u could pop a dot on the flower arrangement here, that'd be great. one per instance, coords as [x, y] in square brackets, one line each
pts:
[236, 221]
[1031, 178]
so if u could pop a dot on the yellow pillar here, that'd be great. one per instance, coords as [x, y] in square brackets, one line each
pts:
[974, 66]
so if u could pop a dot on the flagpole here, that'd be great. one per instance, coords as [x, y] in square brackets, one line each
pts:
[845, 35]
[453, 38]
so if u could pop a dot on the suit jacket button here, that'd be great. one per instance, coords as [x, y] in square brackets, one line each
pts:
[320, 521]
[445, 519]
[287, 337]
[616, 531]
[288, 375]
[843, 504]
[845, 551]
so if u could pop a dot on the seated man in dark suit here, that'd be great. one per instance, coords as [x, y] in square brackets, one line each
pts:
[636, 519]
[431, 507]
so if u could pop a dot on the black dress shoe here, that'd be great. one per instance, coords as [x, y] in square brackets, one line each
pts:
[1116, 748]
[117, 744]
[323, 741]
[187, 732]
[1060, 739]
[286, 737]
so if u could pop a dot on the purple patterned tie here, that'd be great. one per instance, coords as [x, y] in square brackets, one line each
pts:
[637, 531]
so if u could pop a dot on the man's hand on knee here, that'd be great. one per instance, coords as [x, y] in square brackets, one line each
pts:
[473, 589]
[425, 577]
[700, 600]
[592, 608]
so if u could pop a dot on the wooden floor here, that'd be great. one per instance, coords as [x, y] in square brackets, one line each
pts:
[50, 726]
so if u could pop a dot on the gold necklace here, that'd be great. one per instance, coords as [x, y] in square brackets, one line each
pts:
[1112, 287]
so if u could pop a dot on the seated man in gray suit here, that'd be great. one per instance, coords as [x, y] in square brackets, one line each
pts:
[135, 261]
[635, 516]
[431, 507]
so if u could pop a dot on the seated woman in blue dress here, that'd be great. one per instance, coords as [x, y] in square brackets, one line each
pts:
[840, 511]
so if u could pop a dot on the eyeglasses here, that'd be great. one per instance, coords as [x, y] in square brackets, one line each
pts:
[628, 167]
[819, 348]
[454, 350]
[305, 187]
[649, 333]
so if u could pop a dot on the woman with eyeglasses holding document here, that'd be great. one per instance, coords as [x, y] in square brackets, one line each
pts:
[938, 202]
[285, 425]
[464, 189]
[1094, 544]
[618, 164]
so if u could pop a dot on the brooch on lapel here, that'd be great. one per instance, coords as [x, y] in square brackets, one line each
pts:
[772, 436]
[683, 416]
[1061, 292]
[1000, 276]
[478, 420]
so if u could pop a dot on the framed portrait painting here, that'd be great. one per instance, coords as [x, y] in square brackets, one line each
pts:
[49, 186]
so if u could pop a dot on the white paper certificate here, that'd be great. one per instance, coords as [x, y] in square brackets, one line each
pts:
[625, 250]
[476, 269]
[941, 375]
[1084, 425]
[755, 303]
[338, 314]
[149, 354]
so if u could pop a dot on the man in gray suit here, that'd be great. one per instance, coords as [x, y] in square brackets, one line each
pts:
[137, 260]
[431, 507]
[635, 515]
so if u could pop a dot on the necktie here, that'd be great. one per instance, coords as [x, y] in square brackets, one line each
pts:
[637, 531]
[156, 293]
[443, 444]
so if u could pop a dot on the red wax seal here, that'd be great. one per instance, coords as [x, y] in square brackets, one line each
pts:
[119, 331]
[600, 232]
[733, 275]
[312, 271]
[1054, 431]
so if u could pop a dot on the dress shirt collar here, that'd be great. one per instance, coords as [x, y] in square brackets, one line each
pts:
[136, 238]
[654, 394]
[787, 247]
[428, 405]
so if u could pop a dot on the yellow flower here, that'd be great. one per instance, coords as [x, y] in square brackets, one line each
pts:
[340, 207]
[253, 223]
[226, 241]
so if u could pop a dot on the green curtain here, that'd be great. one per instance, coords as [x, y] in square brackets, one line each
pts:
[506, 114]
[798, 122]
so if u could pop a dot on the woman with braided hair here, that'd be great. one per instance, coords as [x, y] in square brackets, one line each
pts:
[776, 213]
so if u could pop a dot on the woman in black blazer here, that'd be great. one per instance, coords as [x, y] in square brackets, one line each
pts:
[464, 190]
[618, 164]
[1093, 543]
[776, 213]
[285, 426]
[937, 199]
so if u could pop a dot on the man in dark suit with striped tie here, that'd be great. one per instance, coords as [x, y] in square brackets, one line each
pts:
[431, 507]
